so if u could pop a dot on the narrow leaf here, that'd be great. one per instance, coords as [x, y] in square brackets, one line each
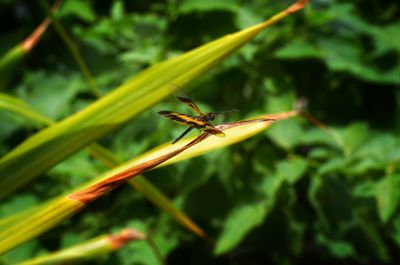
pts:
[19, 106]
[53, 144]
[233, 135]
[64, 207]
[140, 183]
[9, 61]
[88, 250]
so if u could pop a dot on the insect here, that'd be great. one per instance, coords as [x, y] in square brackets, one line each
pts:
[202, 121]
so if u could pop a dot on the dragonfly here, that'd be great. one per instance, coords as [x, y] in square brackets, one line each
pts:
[201, 121]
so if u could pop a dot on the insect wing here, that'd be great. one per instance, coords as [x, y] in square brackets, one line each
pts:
[165, 112]
[191, 104]
[214, 131]
[182, 118]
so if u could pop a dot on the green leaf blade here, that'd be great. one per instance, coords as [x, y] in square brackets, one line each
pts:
[51, 145]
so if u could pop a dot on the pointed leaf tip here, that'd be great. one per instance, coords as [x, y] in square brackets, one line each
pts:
[120, 239]
[297, 6]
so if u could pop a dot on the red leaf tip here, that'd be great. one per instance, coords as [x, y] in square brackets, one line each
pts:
[297, 6]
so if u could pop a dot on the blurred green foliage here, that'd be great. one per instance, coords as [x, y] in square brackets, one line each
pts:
[293, 195]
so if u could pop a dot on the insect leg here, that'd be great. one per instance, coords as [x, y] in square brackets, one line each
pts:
[183, 134]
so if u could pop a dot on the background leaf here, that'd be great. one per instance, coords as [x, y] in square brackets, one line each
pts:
[336, 205]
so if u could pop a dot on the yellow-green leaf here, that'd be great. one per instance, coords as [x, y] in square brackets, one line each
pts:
[53, 144]
[19, 106]
[140, 183]
[88, 250]
[65, 206]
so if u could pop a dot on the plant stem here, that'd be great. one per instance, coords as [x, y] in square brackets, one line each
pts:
[73, 49]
